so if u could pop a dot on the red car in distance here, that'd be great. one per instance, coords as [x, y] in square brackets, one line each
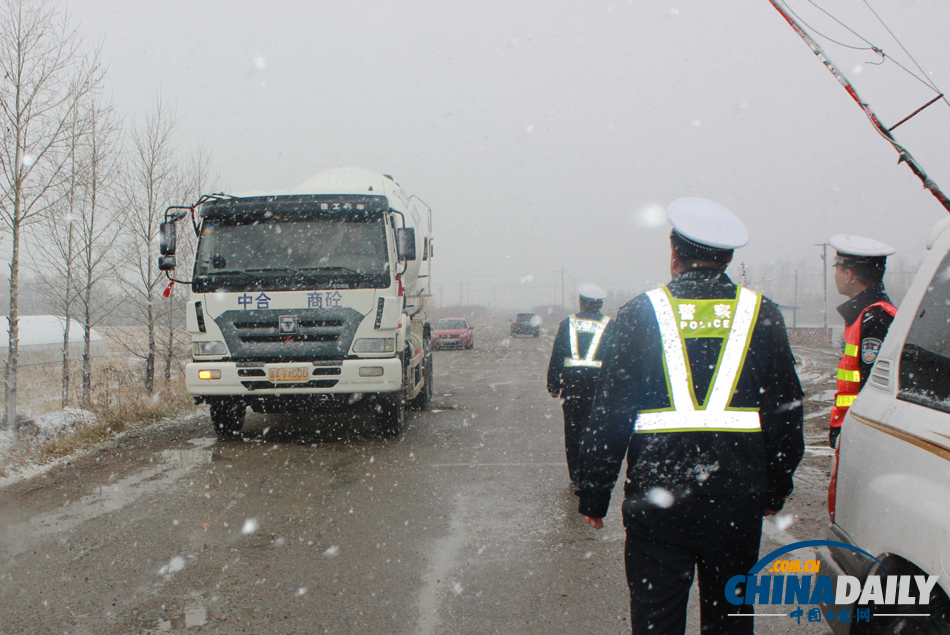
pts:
[453, 333]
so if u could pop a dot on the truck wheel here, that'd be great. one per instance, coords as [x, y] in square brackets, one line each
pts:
[390, 414]
[425, 395]
[227, 417]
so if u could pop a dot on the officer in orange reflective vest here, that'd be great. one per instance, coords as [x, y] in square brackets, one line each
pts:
[859, 274]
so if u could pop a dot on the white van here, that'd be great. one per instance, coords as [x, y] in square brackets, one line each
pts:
[893, 474]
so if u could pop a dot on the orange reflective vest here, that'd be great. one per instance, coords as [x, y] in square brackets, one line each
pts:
[849, 368]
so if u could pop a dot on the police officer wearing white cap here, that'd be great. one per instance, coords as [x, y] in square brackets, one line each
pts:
[575, 366]
[859, 274]
[699, 393]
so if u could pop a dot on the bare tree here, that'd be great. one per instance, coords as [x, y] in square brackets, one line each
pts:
[151, 184]
[99, 223]
[53, 256]
[42, 76]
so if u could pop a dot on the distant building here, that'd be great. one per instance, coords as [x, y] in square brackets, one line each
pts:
[41, 337]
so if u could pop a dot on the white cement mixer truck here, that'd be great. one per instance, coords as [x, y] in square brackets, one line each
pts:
[308, 300]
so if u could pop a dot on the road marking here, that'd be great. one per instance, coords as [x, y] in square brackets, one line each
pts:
[436, 581]
[496, 464]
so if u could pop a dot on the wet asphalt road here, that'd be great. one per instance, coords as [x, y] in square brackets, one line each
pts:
[313, 524]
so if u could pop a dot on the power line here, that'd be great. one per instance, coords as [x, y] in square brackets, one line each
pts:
[871, 46]
[927, 79]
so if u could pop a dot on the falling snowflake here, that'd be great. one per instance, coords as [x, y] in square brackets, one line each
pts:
[250, 526]
[784, 521]
[660, 497]
[175, 565]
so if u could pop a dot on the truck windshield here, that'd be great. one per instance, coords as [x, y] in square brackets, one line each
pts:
[300, 252]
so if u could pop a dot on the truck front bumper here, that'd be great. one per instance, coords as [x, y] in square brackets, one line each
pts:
[231, 379]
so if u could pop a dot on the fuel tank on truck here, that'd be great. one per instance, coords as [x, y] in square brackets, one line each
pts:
[416, 279]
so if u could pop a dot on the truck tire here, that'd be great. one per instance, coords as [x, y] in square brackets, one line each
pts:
[227, 418]
[390, 414]
[425, 395]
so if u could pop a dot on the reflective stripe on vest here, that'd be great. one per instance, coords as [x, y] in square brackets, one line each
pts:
[597, 328]
[685, 414]
[849, 368]
[853, 376]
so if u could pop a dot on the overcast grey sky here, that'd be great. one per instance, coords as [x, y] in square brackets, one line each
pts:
[547, 134]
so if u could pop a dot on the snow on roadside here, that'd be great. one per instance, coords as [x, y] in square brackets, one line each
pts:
[16, 472]
[32, 430]
[53, 424]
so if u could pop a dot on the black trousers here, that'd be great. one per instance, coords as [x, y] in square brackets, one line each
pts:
[717, 537]
[576, 407]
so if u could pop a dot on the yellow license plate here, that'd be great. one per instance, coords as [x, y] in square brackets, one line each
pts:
[300, 373]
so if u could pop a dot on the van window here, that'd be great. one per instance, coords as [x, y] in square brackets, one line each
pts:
[925, 360]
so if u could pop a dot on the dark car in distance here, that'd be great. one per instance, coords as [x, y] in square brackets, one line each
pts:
[453, 333]
[526, 324]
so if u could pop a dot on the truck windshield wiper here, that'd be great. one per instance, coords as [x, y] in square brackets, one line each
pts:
[332, 268]
[290, 269]
[229, 272]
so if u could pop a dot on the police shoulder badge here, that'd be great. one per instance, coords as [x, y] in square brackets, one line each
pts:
[869, 349]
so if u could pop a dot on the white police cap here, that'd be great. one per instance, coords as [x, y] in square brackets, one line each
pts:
[848, 245]
[591, 291]
[707, 223]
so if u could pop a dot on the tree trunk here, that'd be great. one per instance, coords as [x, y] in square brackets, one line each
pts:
[150, 355]
[14, 321]
[67, 305]
[86, 363]
[65, 396]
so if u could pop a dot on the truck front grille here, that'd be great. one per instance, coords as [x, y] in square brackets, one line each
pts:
[320, 334]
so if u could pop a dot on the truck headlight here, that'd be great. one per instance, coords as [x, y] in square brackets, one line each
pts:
[374, 345]
[209, 348]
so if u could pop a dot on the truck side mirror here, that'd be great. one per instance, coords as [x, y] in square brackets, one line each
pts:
[166, 263]
[406, 243]
[166, 239]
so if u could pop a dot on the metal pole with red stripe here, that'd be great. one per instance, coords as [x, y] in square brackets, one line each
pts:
[905, 156]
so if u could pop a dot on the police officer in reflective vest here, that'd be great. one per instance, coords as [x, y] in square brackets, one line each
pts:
[699, 393]
[575, 366]
[859, 274]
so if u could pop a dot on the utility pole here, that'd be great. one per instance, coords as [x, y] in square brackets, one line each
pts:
[905, 156]
[824, 275]
[461, 293]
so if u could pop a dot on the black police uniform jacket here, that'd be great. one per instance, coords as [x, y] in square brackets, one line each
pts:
[578, 381]
[874, 325]
[754, 465]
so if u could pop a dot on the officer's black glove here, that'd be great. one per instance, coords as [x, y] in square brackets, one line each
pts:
[833, 437]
